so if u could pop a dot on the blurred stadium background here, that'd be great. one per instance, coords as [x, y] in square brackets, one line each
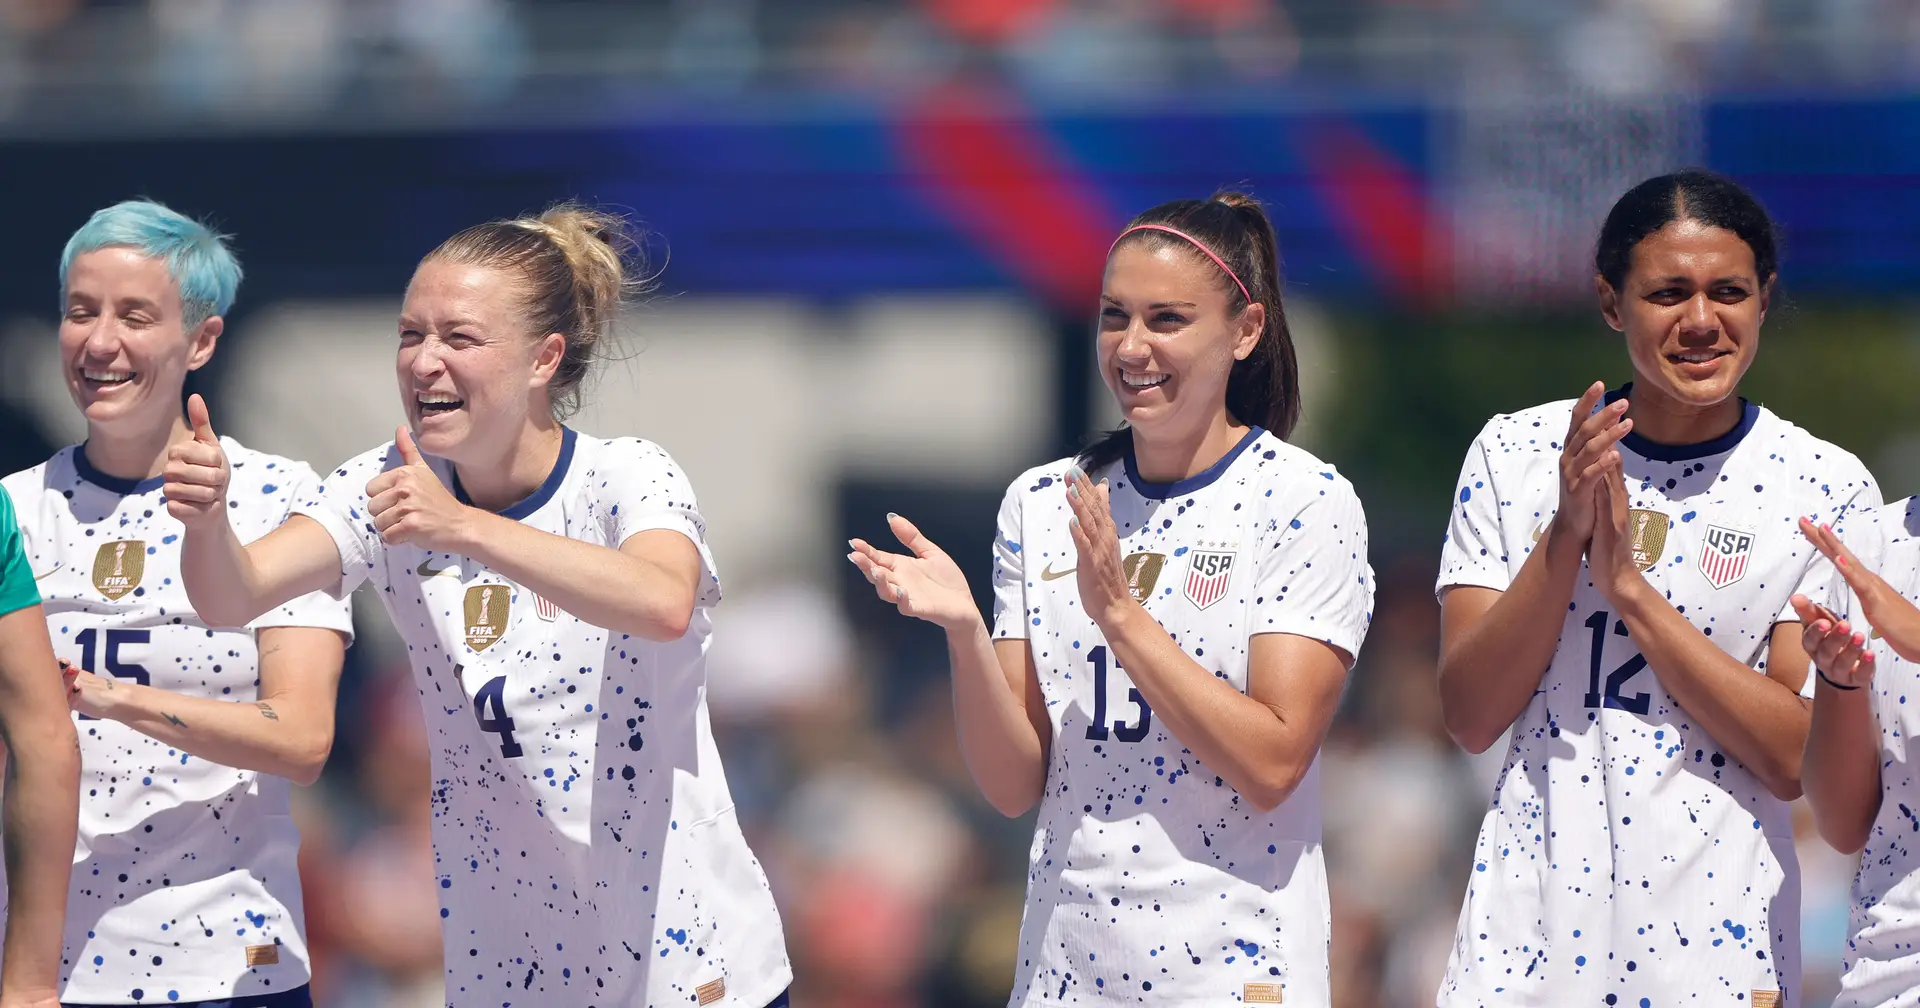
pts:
[879, 229]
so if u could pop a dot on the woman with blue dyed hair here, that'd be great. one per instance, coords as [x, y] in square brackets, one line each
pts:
[185, 888]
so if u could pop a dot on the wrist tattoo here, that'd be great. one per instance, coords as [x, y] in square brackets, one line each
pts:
[176, 722]
[266, 711]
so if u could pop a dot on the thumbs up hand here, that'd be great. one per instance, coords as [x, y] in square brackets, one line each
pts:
[196, 473]
[409, 504]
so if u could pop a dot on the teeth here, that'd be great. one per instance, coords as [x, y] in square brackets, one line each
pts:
[1699, 358]
[106, 376]
[1148, 380]
[437, 398]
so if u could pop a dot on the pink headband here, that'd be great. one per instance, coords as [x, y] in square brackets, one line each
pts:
[1196, 243]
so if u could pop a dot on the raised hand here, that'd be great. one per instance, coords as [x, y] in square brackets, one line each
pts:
[1887, 611]
[925, 584]
[196, 473]
[1837, 650]
[1098, 570]
[409, 504]
[1610, 552]
[1591, 437]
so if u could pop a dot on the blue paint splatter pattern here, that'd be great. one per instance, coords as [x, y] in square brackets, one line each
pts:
[1151, 881]
[586, 843]
[1625, 854]
[1881, 966]
[181, 864]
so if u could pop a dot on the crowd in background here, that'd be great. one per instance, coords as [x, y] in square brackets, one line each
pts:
[298, 60]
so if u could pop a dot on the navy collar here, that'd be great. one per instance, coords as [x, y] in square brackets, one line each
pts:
[112, 484]
[540, 496]
[1198, 481]
[1749, 415]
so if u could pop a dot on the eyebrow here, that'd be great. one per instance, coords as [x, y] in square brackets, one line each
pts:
[1108, 298]
[1729, 278]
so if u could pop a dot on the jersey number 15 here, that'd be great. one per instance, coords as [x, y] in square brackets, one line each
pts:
[89, 638]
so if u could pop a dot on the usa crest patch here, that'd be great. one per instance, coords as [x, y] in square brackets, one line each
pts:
[1208, 572]
[1723, 555]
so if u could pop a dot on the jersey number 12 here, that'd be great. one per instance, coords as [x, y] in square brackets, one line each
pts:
[1616, 679]
[1123, 731]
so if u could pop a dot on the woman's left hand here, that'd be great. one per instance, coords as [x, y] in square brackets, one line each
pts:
[87, 693]
[409, 504]
[1610, 554]
[1101, 576]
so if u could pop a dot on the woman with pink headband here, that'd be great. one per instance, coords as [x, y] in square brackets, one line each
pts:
[1175, 613]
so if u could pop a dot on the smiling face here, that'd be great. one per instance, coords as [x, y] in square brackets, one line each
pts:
[1690, 307]
[1167, 340]
[470, 375]
[123, 343]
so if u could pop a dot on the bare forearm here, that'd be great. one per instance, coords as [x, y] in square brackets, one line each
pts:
[41, 808]
[598, 585]
[1005, 753]
[1490, 669]
[1249, 744]
[275, 734]
[1753, 718]
[1841, 768]
[219, 576]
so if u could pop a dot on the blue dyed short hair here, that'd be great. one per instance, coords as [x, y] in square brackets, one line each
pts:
[203, 267]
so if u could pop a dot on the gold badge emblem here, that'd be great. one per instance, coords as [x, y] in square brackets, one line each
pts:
[118, 566]
[1143, 572]
[711, 991]
[1649, 536]
[1765, 999]
[263, 955]
[1260, 993]
[487, 608]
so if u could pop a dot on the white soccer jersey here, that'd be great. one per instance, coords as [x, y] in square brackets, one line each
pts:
[1151, 880]
[1882, 962]
[587, 849]
[1625, 855]
[185, 886]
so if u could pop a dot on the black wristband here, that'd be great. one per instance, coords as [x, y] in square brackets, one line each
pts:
[1830, 682]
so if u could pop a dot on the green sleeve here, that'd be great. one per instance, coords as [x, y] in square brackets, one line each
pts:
[17, 590]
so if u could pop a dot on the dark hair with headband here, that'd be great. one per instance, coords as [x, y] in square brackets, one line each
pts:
[1231, 231]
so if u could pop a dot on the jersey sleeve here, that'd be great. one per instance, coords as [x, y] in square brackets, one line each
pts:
[1009, 571]
[637, 487]
[1312, 578]
[1849, 504]
[17, 590]
[318, 609]
[1474, 553]
[339, 505]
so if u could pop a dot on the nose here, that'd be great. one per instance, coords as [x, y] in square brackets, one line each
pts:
[1699, 323]
[426, 364]
[1133, 346]
[103, 339]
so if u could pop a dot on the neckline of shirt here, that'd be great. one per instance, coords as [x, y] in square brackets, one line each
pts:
[1749, 415]
[541, 495]
[112, 484]
[1198, 481]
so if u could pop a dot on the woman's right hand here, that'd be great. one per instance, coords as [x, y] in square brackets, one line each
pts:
[1591, 437]
[927, 585]
[196, 474]
[1892, 616]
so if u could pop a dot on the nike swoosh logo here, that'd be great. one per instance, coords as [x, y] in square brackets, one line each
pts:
[426, 571]
[55, 570]
[1048, 573]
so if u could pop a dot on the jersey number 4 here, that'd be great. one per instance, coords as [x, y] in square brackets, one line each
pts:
[89, 638]
[1123, 731]
[1616, 679]
[490, 711]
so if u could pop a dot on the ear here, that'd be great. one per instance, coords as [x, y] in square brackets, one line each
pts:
[1609, 303]
[547, 355]
[1252, 323]
[203, 339]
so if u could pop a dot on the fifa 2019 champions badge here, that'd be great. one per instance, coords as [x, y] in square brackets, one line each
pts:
[487, 608]
[1143, 572]
[1261, 993]
[1647, 532]
[118, 567]
[1764, 998]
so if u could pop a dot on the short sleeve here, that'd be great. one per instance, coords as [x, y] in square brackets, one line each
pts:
[1009, 574]
[339, 505]
[1819, 579]
[318, 609]
[17, 590]
[637, 487]
[1474, 552]
[1312, 578]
